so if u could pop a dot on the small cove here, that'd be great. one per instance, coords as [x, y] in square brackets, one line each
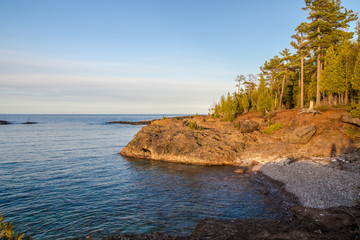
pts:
[63, 178]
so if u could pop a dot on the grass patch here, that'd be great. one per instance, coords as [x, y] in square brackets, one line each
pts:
[273, 128]
[322, 107]
[195, 126]
[351, 132]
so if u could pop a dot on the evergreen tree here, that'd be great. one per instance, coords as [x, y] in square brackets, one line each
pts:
[245, 102]
[332, 77]
[301, 45]
[357, 31]
[347, 56]
[355, 81]
[286, 57]
[327, 27]
[264, 101]
[270, 70]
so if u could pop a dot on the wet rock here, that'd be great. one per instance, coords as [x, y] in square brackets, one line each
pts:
[347, 119]
[30, 123]
[302, 135]
[146, 236]
[248, 126]
[2, 122]
[327, 220]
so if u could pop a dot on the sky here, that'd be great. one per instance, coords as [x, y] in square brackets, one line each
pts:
[136, 56]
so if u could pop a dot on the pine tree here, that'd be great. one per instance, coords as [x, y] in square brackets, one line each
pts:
[327, 27]
[357, 31]
[286, 57]
[355, 81]
[264, 101]
[245, 102]
[347, 56]
[332, 79]
[270, 70]
[301, 45]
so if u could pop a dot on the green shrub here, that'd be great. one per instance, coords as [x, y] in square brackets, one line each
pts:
[273, 128]
[194, 126]
[351, 132]
[322, 107]
[354, 110]
[7, 231]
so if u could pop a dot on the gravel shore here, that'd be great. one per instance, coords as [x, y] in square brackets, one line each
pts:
[316, 185]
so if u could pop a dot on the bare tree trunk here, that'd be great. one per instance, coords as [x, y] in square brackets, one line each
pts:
[302, 83]
[341, 99]
[318, 94]
[330, 99]
[346, 86]
[282, 91]
[336, 100]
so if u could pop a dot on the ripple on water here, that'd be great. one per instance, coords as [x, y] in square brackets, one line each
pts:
[63, 178]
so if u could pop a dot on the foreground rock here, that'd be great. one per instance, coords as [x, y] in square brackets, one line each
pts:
[2, 122]
[302, 136]
[305, 224]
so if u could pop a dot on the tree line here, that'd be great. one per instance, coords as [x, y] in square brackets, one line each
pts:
[324, 67]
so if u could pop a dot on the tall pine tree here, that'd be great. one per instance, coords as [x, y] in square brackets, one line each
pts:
[329, 21]
[301, 45]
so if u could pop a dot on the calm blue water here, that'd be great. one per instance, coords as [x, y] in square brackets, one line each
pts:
[63, 178]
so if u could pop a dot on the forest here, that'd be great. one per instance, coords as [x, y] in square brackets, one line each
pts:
[323, 66]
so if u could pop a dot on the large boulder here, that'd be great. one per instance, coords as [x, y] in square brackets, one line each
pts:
[248, 126]
[302, 135]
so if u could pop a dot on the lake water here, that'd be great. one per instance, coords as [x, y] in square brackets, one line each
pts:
[63, 178]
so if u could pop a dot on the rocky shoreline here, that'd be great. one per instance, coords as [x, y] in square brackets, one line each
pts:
[250, 140]
[315, 157]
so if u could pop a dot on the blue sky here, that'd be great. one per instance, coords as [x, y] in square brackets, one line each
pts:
[136, 56]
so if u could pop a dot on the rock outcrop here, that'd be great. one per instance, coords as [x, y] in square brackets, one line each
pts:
[2, 122]
[29, 123]
[347, 119]
[172, 140]
[219, 143]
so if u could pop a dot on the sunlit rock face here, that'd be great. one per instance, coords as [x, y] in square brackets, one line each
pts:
[244, 141]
